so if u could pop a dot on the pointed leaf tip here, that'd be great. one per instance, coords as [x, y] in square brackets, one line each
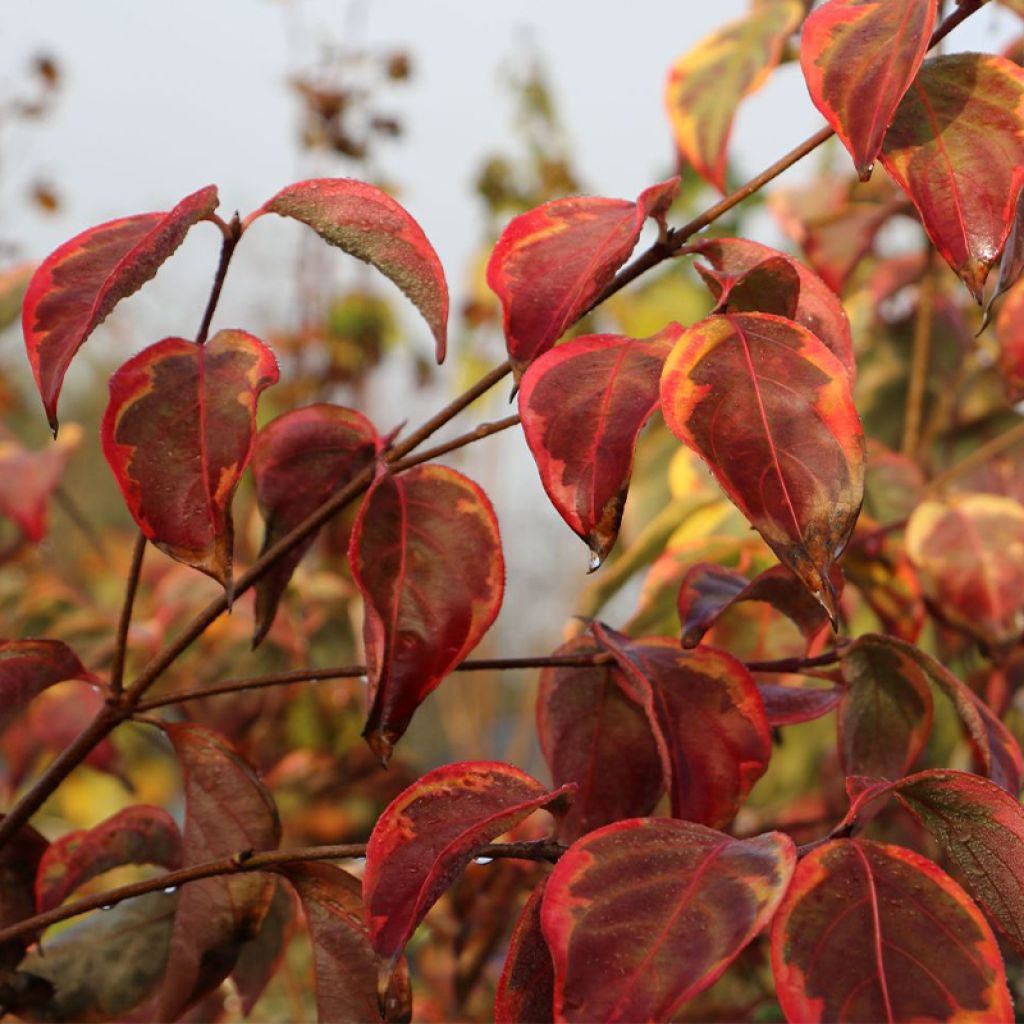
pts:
[77, 286]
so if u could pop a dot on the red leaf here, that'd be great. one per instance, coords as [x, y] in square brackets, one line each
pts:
[178, 433]
[684, 901]
[1010, 332]
[705, 708]
[345, 965]
[526, 988]
[136, 835]
[875, 932]
[791, 705]
[77, 286]
[426, 556]
[969, 554]
[299, 460]
[708, 591]
[553, 261]
[592, 734]
[885, 717]
[859, 58]
[368, 224]
[955, 147]
[798, 295]
[29, 478]
[769, 409]
[430, 832]
[980, 830]
[27, 667]
[227, 810]
[583, 405]
[705, 86]
[995, 750]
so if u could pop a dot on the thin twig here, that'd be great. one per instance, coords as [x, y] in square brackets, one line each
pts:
[583, 659]
[245, 862]
[484, 430]
[920, 357]
[74, 512]
[124, 623]
[977, 458]
[232, 233]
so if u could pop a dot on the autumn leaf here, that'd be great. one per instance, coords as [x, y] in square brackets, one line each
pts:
[969, 555]
[28, 480]
[582, 406]
[859, 58]
[178, 432]
[592, 734]
[769, 409]
[551, 262]
[426, 556]
[684, 900]
[431, 831]
[367, 223]
[76, 287]
[875, 932]
[706, 85]
[955, 147]
[526, 988]
[27, 667]
[299, 460]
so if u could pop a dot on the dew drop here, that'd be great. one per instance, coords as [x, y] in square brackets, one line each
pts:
[483, 860]
[107, 906]
[170, 890]
[595, 562]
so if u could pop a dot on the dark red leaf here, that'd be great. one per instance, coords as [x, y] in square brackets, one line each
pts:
[77, 286]
[227, 810]
[592, 734]
[553, 261]
[709, 590]
[642, 915]
[790, 705]
[705, 86]
[885, 717]
[995, 750]
[980, 830]
[178, 433]
[955, 147]
[29, 478]
[299, 460]
[859, 58]
[583, 405]
[19, 862]
[368, 224]
[345, 965]
[746, 276]
[136, 835]
[705, 710]
[878, 933]
[526, 988]
[426, 555]
[769, 409]
[431, 831]
[27, 667]
[969, 554]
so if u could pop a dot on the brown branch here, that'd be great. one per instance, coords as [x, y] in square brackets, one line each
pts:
[124, 623]
[232, 232]
[584, 659]
[484, 430]
[74, 512]
[244, 862]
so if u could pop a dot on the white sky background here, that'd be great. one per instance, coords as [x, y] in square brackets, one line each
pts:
[161, 98]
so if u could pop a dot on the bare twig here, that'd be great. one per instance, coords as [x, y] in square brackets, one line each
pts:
[124, 623]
